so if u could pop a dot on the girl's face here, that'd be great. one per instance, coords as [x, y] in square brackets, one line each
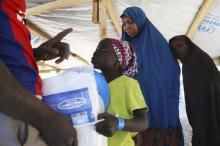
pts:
[179, 47]
[129, 26]
[104, 57]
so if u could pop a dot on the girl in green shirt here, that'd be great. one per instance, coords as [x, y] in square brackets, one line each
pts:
[126, 113]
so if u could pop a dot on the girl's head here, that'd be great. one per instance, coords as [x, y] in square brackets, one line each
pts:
[133, 19]
[114, 55]
[180, 46]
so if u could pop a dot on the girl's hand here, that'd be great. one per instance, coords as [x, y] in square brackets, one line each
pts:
[108, 126]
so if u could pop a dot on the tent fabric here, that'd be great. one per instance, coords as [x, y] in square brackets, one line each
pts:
[171, 17]
[208, 35]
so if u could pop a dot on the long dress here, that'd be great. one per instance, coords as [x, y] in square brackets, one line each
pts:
[159, 78]
[201, 82]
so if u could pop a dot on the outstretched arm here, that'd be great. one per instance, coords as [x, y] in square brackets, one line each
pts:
[19, 103]
[54, 48]
[110, 124]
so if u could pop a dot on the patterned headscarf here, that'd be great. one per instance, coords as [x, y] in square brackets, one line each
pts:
[126, 57]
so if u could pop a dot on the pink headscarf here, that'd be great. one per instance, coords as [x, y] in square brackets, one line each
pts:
[126, 57]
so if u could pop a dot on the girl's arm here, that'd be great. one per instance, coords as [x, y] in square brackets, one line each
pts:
[110, 124]
[138, 123]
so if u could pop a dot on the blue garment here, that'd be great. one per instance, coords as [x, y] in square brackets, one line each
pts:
[158, 71]
[15, 48]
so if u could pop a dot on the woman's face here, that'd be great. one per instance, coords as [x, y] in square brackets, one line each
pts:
[129, 26]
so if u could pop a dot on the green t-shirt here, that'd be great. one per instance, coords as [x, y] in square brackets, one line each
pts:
[126, 96]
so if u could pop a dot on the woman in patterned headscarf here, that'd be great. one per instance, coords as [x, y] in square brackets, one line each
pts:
[126, 113]
[158, 75]
[201, 82]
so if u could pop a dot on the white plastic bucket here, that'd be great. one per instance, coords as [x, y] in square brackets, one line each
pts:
[75, 94]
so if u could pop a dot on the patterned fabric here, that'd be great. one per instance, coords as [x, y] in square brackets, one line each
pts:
[126, 57]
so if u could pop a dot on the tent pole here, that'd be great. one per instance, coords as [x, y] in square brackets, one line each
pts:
[203, 10]
[103, 18]
[113, 15]
[37, 30]
[52, 68]
[95, 11]
[58, 4]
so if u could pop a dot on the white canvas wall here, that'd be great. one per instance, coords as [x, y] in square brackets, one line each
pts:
[208, 35]
[171, 17]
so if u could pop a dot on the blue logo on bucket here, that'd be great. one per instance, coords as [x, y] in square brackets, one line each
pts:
[76, 105]
[71, 103]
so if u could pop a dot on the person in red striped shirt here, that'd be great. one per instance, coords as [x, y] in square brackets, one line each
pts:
[25, 119]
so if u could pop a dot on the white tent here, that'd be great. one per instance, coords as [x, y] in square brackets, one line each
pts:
[199, 19]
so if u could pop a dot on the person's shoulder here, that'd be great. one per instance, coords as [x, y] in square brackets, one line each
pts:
[128, 79]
